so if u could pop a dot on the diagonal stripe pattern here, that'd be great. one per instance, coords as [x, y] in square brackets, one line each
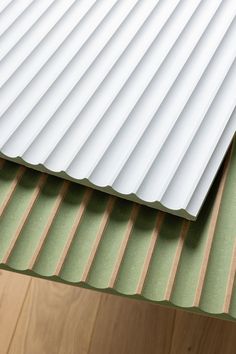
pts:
[135, 98]
[65, 232]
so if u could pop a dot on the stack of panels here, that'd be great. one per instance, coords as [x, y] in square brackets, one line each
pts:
[65, 232]
[135, 97]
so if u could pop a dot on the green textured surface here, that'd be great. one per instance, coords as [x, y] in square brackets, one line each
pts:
[216, 297]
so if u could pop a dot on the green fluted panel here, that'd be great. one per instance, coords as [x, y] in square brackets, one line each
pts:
[174, 269]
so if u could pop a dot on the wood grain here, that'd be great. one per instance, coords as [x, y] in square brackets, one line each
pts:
[55, 319]
[197, 334]
[13, 291]
[125, 326]
[38, 316]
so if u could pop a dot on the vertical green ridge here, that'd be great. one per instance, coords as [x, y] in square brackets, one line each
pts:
[135, 253]
[107, 252]
[85, 236]
[222, 249]
[33, 229]
[162, 259]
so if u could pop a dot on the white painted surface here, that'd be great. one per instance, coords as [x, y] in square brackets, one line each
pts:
[134, 97]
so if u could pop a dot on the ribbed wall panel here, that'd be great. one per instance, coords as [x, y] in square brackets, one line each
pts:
[59, 230]
[135, 98]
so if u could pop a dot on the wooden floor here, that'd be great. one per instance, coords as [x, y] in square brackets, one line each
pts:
[37, 316]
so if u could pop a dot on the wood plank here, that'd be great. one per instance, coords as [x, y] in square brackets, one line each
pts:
[13, 291]
[128, 326]
[55, 319]
[200, 334]
[38, 316]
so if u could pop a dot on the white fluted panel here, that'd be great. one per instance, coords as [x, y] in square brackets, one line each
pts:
[135, 97]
